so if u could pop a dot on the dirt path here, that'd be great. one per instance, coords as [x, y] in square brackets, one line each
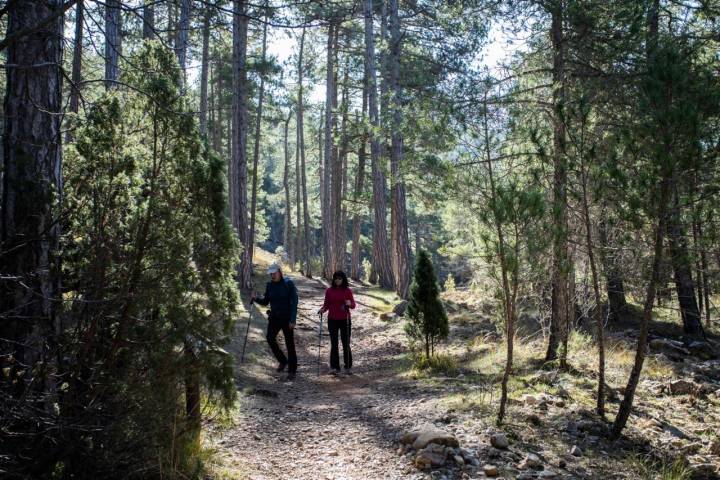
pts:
[326, 426]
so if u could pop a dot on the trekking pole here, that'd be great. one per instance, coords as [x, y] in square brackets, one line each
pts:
[349, 322]
[247, 331]
[320, 324]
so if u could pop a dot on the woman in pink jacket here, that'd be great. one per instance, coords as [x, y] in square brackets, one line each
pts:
[338, 302]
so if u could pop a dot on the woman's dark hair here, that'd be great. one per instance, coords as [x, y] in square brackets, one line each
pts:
[340, 274]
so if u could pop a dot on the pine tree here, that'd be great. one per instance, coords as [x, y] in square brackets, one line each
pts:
[427, 319]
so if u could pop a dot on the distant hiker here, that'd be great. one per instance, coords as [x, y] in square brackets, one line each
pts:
[282, 296]
[338, 302]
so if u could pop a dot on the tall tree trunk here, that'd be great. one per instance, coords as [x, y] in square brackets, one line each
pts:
[30, 297]
[327, 216]
[204, 73]
[560, 301]
[148, 16]
[113, 43]
[288, 238]
[509, 292]
[256, 148]
[298, 205]
[340, 172]
[597, 311]
[216, 110]
[681, 263]
[613, 275]
[238, 164]
[401, 247]
[183, 36]
[704, 270]
[301, 151]
[74, 106]
[381, 254]
[359, 186]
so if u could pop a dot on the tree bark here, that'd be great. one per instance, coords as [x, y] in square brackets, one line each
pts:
[359, 186]
[301, 151]
[327, 211]
[613, 275]
[113, 43]
[401, 247]
[682, 270]
[74, 105]
[381, 255]
[256, 148]
[560, 301]
[238, 164]
[340, 180]
[183, 35]
[32, 195]
[148, 16]
[288, 238]
[204, 73]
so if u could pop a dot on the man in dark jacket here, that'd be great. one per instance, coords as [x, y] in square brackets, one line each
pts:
[282, 296]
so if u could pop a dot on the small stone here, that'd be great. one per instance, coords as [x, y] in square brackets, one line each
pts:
[575, 451]
[547, 474]
[683, 387]
[499, 440]
[459, 460]
[715, 447]
[435, 436]
[491, 470]
[433, 455]
[531, 461]
[409, 437]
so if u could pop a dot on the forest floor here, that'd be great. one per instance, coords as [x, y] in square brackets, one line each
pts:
[349, 426]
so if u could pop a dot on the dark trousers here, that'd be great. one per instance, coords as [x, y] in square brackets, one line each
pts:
[343, 328]
[274, 327]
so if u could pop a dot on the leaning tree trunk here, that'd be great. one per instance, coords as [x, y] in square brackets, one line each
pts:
[627, 401]
[204, 73]
[682, 269]
[113, 43]
[256, 148]
[288, 237]
[148, 17]
[359, 186]
[560, 300]
[238, 164]
[301, 148]
[30, 297]
[401, 247]
[381, 255]
[597, 311]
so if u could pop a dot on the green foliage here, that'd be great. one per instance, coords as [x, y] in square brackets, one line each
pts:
[439, 364]
[149, 264]
[427, 320]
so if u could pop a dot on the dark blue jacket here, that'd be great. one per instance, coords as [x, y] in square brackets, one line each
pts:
[283, 299]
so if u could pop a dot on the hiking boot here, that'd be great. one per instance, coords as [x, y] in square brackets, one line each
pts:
[281, 367]
[348, 371]
[335, 372]
[291, 376]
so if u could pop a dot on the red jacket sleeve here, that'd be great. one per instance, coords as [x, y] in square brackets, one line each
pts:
[352, 300]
